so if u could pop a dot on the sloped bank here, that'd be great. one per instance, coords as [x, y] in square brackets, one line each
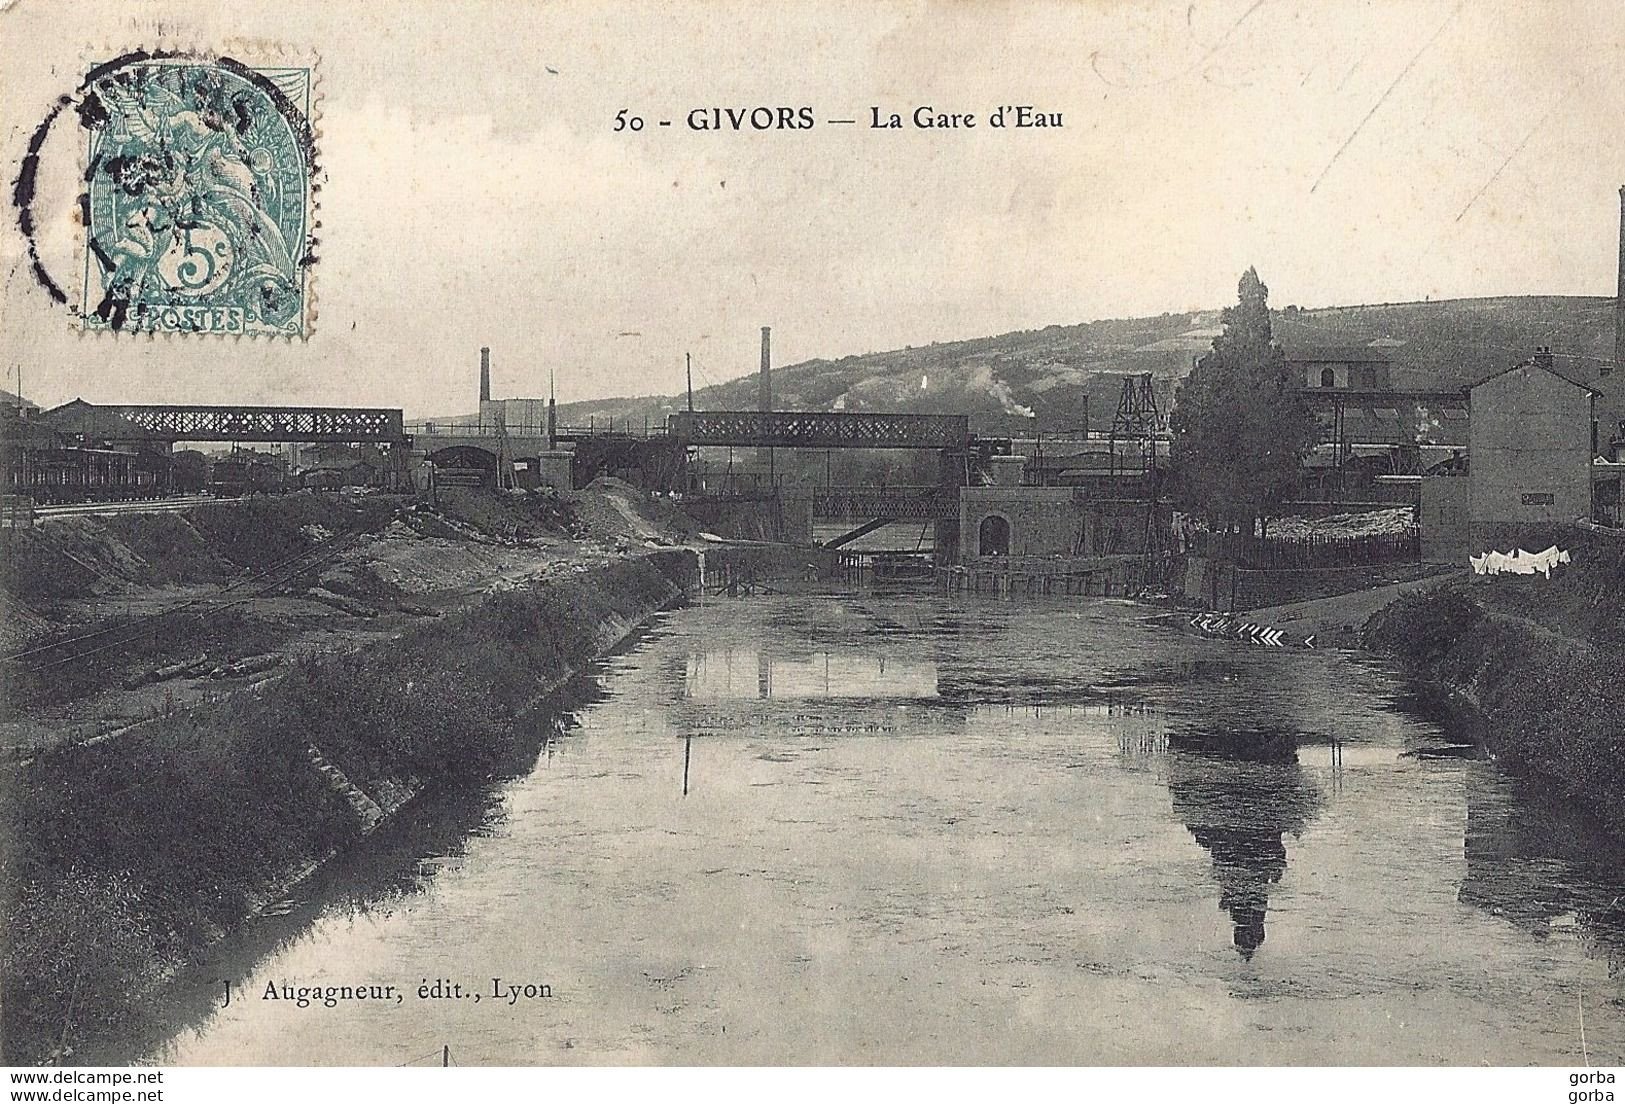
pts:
[124, 859]
[1544, 702]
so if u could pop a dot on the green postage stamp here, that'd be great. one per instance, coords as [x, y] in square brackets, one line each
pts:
[199, 196]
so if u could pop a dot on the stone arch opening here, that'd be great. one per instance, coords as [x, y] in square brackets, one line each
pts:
[464, 466]
[993, 536]
[1328, 378]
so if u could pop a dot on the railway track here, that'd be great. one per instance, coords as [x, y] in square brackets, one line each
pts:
[137, 506]
[57, 653]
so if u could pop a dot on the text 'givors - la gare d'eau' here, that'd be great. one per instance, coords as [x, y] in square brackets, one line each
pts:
[764, 119]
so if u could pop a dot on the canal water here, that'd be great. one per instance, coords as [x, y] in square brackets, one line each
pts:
[905, 830]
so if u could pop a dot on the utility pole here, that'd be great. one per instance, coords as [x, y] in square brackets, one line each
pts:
[764, 399]
[22, 452]
[688, 368]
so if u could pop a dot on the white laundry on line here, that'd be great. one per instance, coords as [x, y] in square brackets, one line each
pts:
[1519, 561]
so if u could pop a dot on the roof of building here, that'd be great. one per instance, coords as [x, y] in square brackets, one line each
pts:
[1566, 374]
[13, 401]
[1340, 354]
[1610, 385]
[1406, 423]
[89, 420]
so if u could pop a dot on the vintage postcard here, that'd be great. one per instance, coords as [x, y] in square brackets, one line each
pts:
[726, 534]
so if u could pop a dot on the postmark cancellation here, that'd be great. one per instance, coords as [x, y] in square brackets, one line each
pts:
[198, 208]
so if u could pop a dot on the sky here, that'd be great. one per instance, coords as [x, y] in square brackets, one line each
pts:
[474, 191]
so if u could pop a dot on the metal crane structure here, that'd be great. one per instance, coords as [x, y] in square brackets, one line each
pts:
[1140, 419]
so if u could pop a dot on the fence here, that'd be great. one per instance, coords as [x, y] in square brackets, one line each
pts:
[1309, 552]
[628, 426]
[1039, 575]
[16, 512]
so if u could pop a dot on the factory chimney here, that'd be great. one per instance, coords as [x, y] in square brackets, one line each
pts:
[552, 415]
[764, 394]
[1619, 302]
[485, 375]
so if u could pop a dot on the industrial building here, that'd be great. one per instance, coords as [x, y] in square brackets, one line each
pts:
[1534, 458]
[1530, 445]
[1343, 367]
[1544, 448]
[56, 457]
[1013, 519]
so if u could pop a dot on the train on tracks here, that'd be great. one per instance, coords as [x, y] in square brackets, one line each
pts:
[63, 475]
[52, 476]
[235, 477]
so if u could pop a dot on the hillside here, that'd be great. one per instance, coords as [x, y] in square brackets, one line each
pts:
[1050, 373]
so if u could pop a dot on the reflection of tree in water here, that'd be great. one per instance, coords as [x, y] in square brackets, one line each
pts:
[1535, 861]
[1240, 794]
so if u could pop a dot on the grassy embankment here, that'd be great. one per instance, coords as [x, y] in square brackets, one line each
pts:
[83, 575]
[124, 858]
[1541, 662]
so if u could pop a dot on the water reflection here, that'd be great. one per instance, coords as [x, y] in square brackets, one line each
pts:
[796, 814]
[801, 675]
[1542, 865]
[766, 672]
[688, 756]
[1240, 794]
[1142, 730]
[381, 876]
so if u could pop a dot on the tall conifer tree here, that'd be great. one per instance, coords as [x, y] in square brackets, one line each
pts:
[1240, 426]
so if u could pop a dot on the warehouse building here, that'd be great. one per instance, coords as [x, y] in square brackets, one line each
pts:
[1531, 439]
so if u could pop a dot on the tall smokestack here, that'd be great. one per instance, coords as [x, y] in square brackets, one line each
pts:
[485, 375]
[764, 395]
[1619, 302]
[552, 415]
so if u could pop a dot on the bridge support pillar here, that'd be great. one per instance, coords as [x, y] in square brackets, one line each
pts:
[945, 541]
[398, 467]
[795, 517]
[554, 469]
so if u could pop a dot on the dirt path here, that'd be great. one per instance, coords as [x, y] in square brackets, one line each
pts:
[1336, 621]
